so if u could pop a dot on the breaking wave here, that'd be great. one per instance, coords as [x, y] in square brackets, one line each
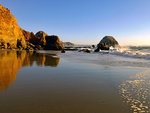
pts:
[134, 52]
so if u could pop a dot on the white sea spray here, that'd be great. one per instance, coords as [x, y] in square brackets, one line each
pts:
[134, 52]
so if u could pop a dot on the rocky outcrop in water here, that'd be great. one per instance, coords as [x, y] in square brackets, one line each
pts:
[106, 43]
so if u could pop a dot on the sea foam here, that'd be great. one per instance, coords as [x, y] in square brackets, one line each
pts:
[134, 52]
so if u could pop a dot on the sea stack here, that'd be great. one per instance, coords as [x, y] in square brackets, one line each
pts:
[106, 43]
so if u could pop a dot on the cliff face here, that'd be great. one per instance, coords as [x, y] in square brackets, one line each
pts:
[10, 32]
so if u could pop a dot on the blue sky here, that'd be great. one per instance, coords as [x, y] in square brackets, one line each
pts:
[85, 21]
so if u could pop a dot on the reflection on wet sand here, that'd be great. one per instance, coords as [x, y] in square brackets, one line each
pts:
[12, 61]
[40, 59]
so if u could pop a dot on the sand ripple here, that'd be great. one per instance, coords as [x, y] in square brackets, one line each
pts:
[136, 92]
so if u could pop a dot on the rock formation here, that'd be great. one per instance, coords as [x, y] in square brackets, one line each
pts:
[106, 43]
[10, 32]
[110, 41]
[53, 43]
[41, 37]
[13, 37]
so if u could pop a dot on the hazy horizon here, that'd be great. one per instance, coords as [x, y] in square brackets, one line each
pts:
[85, 22]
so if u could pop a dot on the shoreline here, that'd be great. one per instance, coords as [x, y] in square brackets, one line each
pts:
[93, 88]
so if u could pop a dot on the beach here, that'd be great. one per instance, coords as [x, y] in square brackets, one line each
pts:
[72, 82]
[74, 56]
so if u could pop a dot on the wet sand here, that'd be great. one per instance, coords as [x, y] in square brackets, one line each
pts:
[42, 83]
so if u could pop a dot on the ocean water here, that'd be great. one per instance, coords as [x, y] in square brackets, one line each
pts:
[74, 82]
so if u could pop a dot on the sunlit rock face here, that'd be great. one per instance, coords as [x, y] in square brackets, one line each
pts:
[12, 61]
[10, 32]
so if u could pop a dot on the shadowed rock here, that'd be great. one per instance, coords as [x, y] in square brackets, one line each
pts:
[110, 41]
[41, 37]
[106, 43]
[53, 43]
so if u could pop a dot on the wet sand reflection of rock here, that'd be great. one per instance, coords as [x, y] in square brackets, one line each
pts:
[41, 59]
[51, 61]
[12, 61]
[136, 92]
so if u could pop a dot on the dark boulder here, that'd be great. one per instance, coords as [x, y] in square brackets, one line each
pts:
[106, 43]
[93, 46]
[87, 51]
[53, 43]
[63, 51]
[110, 41]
